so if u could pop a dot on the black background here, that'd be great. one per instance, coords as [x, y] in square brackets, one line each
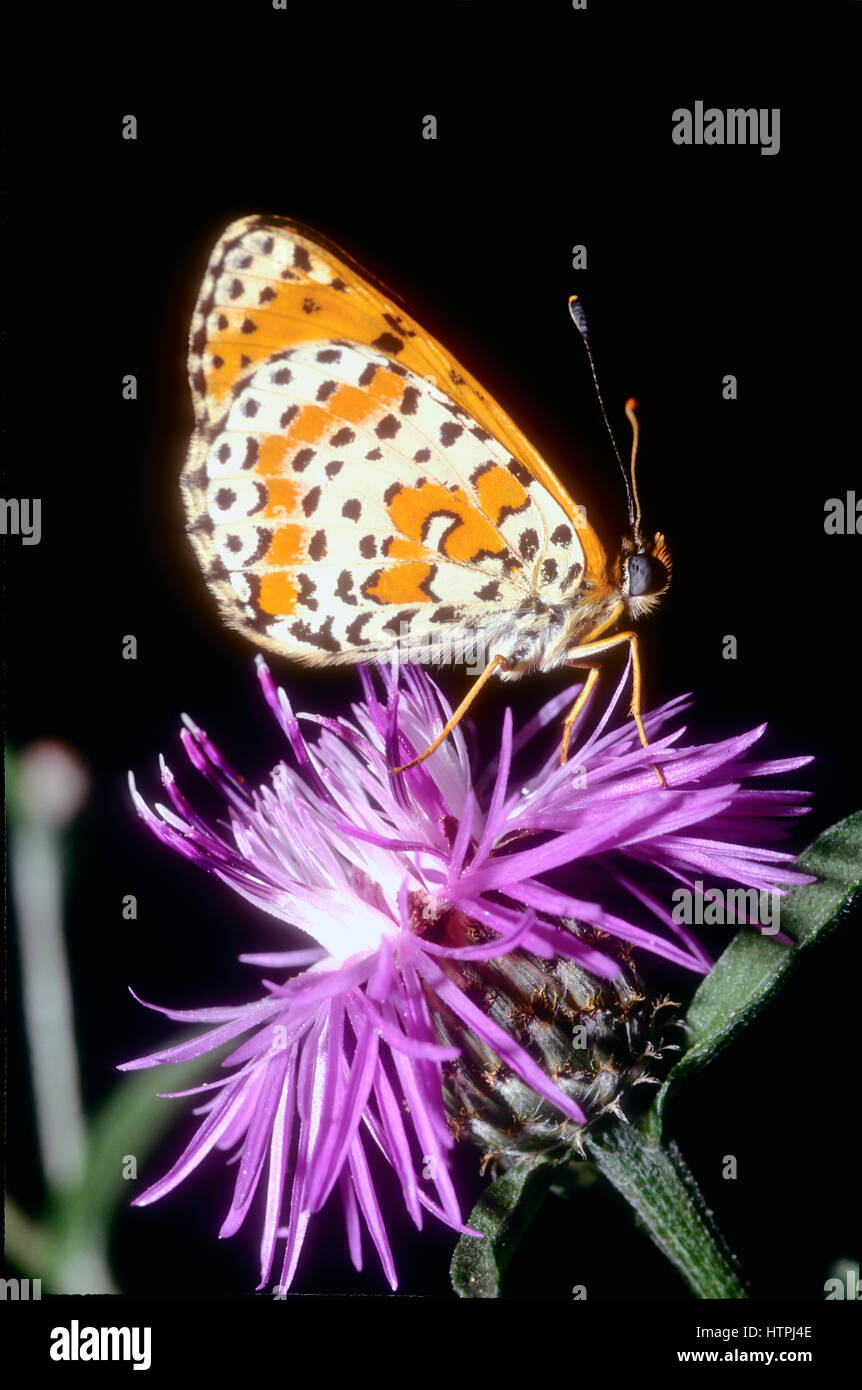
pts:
[554, 128]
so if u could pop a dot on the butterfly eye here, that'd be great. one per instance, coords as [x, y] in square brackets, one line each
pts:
[647, 575]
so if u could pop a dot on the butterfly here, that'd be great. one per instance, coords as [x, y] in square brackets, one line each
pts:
[350, 489]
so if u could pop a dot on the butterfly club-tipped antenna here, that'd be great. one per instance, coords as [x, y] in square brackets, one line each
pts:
[579, 318]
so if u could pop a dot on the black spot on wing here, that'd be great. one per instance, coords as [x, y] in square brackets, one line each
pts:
[366, 376]
[320, 637]
[518, 471]
[395, 321]
[307, 587]
[528, 544]
[264, 541]
[353, 632]
[401, 619]
[388, 427]
[387, 342]
[344, 588]
[317, 546]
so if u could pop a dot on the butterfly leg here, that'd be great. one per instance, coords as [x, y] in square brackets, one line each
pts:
[493, 665]
[590, 649]
[571, 717]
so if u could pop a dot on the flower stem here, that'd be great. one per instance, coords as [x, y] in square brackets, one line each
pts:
[656, 1182]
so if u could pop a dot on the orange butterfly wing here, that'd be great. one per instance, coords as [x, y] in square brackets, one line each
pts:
[246, 313]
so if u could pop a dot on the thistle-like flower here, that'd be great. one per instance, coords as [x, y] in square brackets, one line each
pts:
[435, 931]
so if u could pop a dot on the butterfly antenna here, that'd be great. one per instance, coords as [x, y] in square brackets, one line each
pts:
[632, 417]
[579, 319]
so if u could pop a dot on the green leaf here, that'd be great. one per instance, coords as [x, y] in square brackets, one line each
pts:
[502, 1214]
[753, 967]
[656, 1182]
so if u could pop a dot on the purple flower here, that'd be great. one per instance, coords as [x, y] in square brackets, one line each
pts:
[370, 865]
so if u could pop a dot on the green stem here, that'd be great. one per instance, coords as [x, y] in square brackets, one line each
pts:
[655, 1181]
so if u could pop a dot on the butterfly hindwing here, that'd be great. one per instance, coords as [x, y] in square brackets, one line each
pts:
[349, 485]
[340, 503]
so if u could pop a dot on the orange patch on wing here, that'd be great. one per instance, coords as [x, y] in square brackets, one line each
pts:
[296, 313]
[400, 548]
[230, 354]
[271, 455]
[402, 584]
[307, 312]
[498, 489]
[469, 532]
[278, 593]
[308, 426]
[350, 403]
[280, 499]
[354, 405]
[286, 546]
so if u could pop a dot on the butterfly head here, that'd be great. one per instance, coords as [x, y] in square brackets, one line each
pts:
[642, 572]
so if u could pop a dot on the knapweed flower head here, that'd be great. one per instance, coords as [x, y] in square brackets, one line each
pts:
[404, 886]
